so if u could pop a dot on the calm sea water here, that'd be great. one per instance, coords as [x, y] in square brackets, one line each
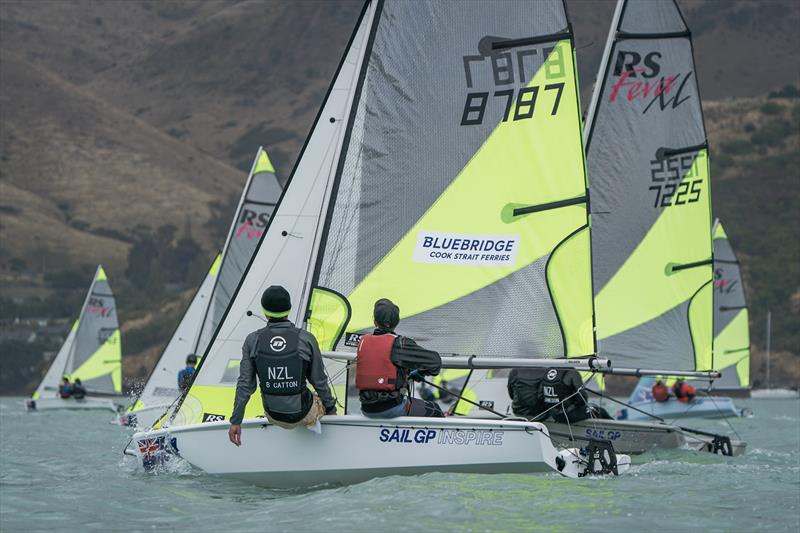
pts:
[67, 470]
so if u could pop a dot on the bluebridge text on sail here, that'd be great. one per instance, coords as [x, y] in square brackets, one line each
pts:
[466, 249]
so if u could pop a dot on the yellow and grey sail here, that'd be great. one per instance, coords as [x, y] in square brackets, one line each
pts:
[731, 321]
[95, 356]
[260, 194]
[461, 194]
[648, 170]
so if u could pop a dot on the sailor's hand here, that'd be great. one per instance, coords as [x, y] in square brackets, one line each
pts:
[235, 434]
[331, 410]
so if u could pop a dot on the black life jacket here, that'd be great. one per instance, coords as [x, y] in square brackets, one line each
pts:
[78, 392]
[525, 389]
[554, 390]
[281, 371]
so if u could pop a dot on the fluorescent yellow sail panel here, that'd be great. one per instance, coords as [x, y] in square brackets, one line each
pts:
[525, 162]
[329, 314]
[732, 348]
[215, 266]
[100, 275]
[106, 360]
[263, 164]
[215, 400]
[645, 286]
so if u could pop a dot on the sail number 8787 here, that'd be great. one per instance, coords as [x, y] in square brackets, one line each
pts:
[523, 104]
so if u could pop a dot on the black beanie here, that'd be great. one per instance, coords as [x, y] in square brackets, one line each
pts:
[276, 302]
[386, 313]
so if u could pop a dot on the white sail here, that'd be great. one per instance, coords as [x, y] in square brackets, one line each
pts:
[284, 255]
[52, 379]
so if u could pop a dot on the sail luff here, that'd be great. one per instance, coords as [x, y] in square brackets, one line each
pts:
[52, 377]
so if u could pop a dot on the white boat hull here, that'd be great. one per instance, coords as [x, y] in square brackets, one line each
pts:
[352, 449]
[774, 394]
[50, 404]
[699, 407]
[143, 418]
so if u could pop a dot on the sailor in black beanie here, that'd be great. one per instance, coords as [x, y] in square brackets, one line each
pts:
[282, 359]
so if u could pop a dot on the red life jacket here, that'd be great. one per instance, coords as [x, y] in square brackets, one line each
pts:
[684, 392]
[374, 368]
[660, 392]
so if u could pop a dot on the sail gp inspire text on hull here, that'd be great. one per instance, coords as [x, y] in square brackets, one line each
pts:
[460, 249]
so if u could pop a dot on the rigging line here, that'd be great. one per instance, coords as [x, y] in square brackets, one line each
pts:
[725, 418]
[503, 417]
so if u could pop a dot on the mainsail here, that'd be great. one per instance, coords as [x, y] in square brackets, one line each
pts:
[260, 194]
[731, 321]
[284, 253]
[95, 356]
[52, 378]
[648, 169]
[461, 193]
[161, 386]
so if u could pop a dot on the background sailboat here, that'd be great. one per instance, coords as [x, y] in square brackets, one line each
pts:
[92, 352]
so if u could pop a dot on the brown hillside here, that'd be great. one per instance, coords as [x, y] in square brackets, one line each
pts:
[73, 166]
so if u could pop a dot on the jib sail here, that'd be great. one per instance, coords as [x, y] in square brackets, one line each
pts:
[52, 379]
[648, 169]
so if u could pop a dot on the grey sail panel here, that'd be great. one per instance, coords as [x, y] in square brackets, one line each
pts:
[491, 85]
[647, 164]
[256, 206]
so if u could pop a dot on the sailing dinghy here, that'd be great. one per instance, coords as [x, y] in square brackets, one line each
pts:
[92, 352]
[731, 348]
[456, 187]
[256, 205]
[651, 256]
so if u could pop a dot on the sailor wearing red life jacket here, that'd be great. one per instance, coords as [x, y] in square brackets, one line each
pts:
[660, 391]
[683, 391]
[385, 362]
